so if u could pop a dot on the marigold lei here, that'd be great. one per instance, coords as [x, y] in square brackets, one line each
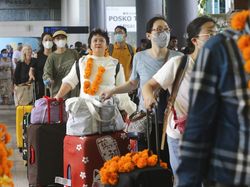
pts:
[238, 23]
[92, 88]
[5, 164]
[111, 169]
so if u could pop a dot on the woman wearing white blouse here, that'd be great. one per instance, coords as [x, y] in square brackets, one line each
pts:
[98, 71]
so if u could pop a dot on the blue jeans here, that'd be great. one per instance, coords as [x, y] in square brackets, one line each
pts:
[173, 147]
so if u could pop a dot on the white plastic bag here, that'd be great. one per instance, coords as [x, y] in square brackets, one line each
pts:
[90, 116]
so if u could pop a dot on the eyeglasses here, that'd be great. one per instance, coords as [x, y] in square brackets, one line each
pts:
[209, 34]
[160, 29]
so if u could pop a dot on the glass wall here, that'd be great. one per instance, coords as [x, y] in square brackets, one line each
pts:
[121, 13]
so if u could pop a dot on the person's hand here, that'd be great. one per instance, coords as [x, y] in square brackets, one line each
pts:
[106, 94]
[31, 78]
[56, 97]
[149, 103]
[47, 82]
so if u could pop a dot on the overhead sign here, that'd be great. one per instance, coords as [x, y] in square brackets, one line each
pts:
[67, 29]
[124, 16]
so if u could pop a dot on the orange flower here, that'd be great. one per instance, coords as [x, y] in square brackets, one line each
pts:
[238, 21]
[89, 88]
[5, 164]
[164, 165]
[141, 162]
[246, 53]
[247, 66]
[152, 160]
[111, 168]
[88, 68]
[248, 84]
[243, 42]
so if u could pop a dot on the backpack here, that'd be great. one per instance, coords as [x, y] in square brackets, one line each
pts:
[130, 48]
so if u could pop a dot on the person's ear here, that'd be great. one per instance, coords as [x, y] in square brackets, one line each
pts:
[194, 41]
[148, 36]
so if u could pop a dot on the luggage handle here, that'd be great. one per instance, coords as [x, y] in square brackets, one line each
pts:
[153, 113]
[60, 101]
[32, 155]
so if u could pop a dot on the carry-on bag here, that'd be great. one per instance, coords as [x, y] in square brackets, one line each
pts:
[40, 113]
[24, 94]
[20, 111]
[45, 149]
[85, 155]
[150, 176]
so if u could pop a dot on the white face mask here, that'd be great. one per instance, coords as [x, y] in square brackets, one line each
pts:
[161, 39]
[201, 43]
[48, 44]
[5, 55]
[60, 43]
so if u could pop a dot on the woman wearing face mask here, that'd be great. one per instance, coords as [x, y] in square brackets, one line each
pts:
[145, 64]
[6, 70]
[58, 64]
[46, 48]
[198, 31]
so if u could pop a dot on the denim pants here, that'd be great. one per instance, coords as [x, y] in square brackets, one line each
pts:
[173, 146]
[222, 185]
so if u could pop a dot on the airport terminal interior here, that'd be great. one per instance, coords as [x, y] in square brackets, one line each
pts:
[23, 21]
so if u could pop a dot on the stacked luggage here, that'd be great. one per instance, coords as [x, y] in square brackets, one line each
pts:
[91, 147]
[45, 142]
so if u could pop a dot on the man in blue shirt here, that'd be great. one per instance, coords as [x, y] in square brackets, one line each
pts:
[216, 143]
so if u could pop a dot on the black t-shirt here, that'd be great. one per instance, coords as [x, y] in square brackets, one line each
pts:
[41, 59]
[21, 74]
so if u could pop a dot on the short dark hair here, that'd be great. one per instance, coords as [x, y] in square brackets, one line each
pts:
[122, 28]
[173, 37]
[100, 32]
[4, 50]
[78, 44]
[151, 22]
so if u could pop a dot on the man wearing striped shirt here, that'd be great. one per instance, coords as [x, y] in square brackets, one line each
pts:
[216, 144]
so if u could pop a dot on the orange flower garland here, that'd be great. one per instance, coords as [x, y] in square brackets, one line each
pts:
[239, 19]
[5, 164]
[89, 88]
[110, 171]
[238, 23]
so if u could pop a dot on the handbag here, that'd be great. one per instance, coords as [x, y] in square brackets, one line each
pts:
[137, 123]
[24, 94]
[48, 110]
[89, 116]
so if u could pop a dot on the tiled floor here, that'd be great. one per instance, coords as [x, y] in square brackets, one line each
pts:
[7, 116]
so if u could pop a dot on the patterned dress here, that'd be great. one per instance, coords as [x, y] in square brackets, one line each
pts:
[6, 80]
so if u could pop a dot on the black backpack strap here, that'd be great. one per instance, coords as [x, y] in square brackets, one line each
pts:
[131, 51]
[117, 69]
[111, 47]
[78, 73]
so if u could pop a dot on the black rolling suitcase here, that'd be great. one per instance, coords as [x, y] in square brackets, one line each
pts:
[149, 176]
[26, 123]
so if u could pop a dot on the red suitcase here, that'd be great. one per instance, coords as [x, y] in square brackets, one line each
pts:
[84, 156]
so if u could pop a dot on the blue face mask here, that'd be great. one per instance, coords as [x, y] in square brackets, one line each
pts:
[118, 38]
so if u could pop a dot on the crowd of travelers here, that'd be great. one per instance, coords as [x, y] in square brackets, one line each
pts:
[145, 77]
